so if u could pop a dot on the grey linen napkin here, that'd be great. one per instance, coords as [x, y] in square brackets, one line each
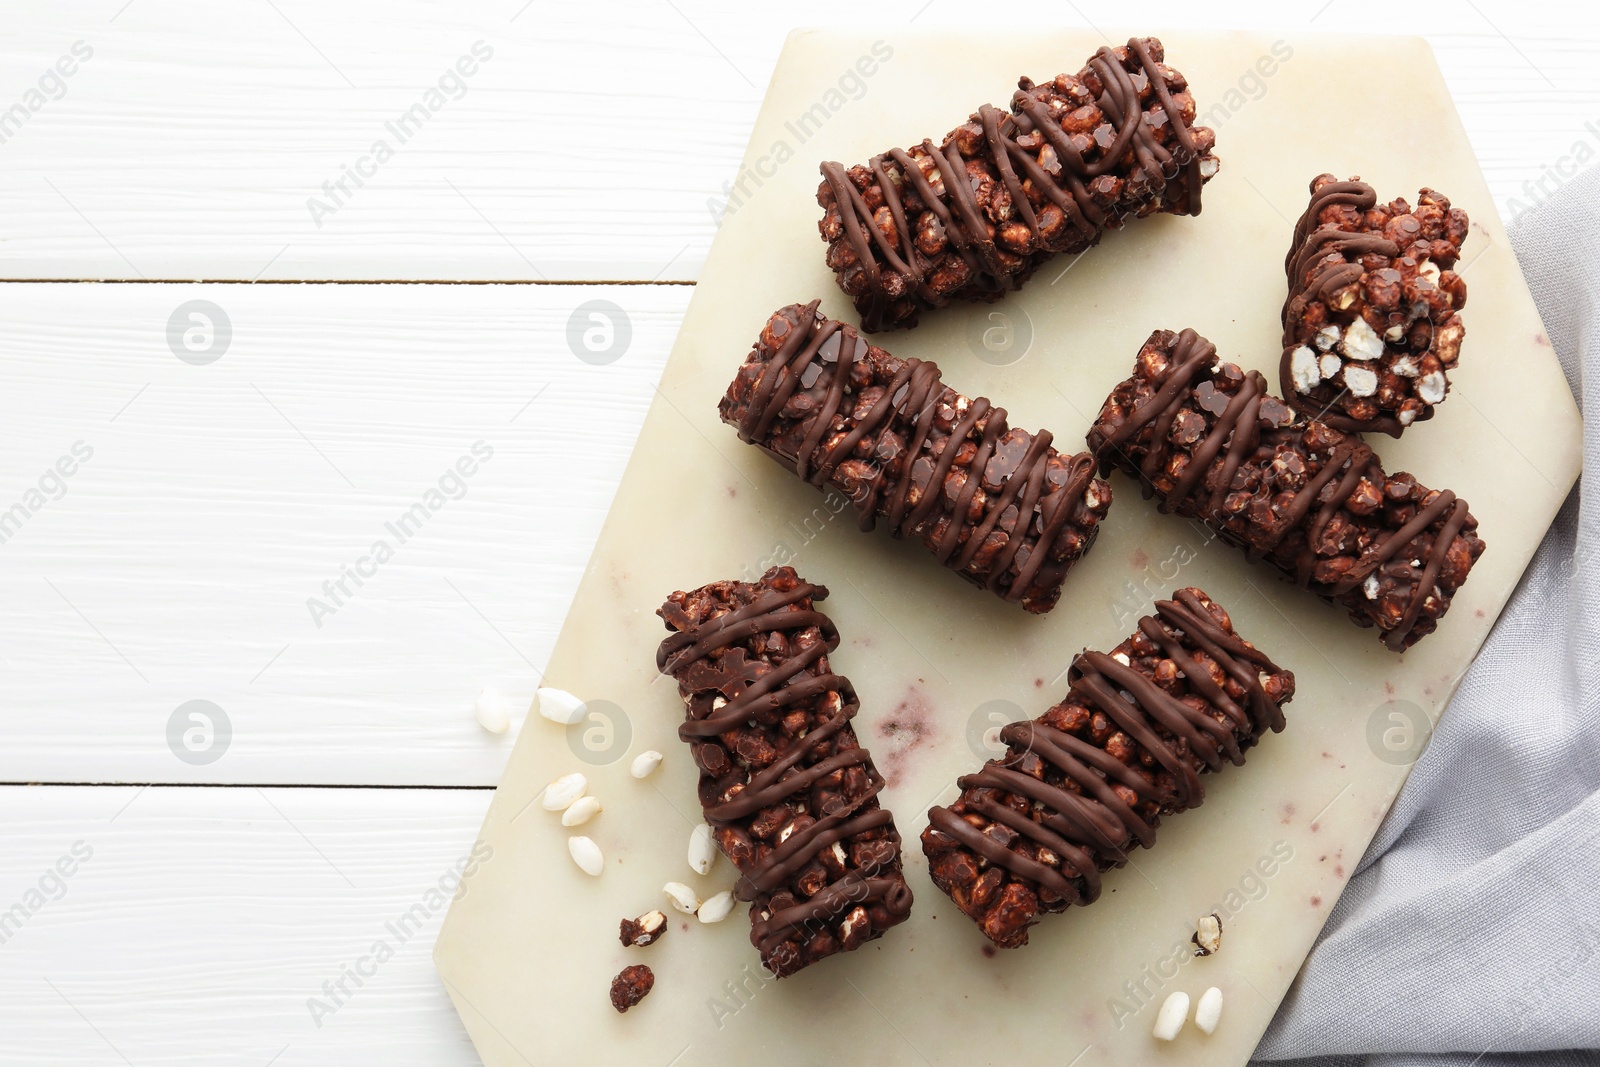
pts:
[1470, 932]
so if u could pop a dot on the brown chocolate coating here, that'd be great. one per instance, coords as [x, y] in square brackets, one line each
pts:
[791, 796]
[975, 216]
[1080, 785]
[996, 504]
[1312, 501]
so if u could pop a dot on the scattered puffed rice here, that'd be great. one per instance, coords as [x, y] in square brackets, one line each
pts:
[1207, 934]
[682, 897]
[587, 855]
[716, 907]
[560, 706]
[645, 764]
[582, 810]
[702, 849]
[559, 794]
[1208, 1012]
[1174, 1010]
[493, 711]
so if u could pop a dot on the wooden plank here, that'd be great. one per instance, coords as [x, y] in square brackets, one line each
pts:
[198, 926]
[207, 506]
[588, 145]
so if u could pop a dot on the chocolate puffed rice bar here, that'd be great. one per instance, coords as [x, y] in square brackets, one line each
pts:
[789, 793]
[975, 215]
[1312, 501]
[1372, 324]
[1083, 783]
[996, 504]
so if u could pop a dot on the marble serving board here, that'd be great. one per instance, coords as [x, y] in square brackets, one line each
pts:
[530, 946]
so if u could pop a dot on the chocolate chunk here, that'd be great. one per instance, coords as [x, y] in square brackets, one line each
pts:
[631, 986]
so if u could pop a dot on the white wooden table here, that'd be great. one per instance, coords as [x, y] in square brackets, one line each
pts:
[191, 508]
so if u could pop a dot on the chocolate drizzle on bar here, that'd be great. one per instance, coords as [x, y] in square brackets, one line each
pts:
[996, 504]
[906, 217]
[1033, 830]
[790, 795]
[1311, 500]
[1311, 243]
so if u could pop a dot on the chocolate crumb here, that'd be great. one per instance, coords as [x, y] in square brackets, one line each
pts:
[646, 930]
[631, 986]
[1207, 935]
